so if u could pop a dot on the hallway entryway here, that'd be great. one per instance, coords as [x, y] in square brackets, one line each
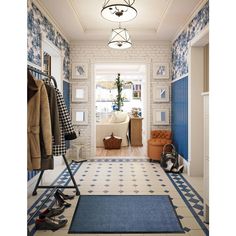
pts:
[134, 79]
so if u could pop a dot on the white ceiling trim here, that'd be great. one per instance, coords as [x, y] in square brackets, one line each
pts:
[163, 15]
[45, 12]
[188, 19]
[72, 5]
[137, 42]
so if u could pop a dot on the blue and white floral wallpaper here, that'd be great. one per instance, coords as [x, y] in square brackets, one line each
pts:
[38, 23]
[179, 89]
[180, 45]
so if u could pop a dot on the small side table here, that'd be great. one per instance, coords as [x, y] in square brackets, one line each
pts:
[78, 148]
[135, 131]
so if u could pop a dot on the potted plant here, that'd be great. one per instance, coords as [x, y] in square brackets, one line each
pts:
[119, 102]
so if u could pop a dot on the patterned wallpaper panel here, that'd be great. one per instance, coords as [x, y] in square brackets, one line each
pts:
[36, 24]
[180, 45]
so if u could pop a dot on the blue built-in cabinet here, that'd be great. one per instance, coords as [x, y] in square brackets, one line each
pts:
[179, 123]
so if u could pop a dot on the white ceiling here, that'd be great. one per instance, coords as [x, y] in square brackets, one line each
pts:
[156, 19]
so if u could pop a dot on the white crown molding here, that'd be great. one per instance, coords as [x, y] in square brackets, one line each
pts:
[46, 13]
[189, 18]
[137, 42]
[163, 15]
[72, 3]
[201, 39]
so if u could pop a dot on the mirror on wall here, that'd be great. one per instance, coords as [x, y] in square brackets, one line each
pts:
[161, 117]
[79, 93]
[80, 116]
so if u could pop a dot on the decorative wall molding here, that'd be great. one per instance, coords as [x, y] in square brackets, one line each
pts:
[177, 79]
[201, 39]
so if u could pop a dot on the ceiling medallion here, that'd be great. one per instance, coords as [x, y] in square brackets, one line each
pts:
[118, 10]
[120, 39]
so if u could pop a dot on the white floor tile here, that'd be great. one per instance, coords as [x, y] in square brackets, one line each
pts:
[157, 178]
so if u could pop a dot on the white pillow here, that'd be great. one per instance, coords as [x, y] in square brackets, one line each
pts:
[118, 117]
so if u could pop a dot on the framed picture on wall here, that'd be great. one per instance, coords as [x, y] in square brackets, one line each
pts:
[80, 116]
[79, 70]
[160, 70]
[160, 93]
[79, 93]
[161, 117]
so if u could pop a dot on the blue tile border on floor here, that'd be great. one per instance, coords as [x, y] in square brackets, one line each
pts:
[64, 179]
[192, 199]
[119, 160]
[184, 188]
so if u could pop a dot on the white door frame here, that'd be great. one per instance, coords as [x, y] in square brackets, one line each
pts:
[195, 103]
[146, 63]
[56, 62]
[56, 70]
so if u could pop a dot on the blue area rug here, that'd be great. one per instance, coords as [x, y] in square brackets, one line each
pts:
[125, 214]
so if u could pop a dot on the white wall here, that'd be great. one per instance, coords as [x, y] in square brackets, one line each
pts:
[95, 52]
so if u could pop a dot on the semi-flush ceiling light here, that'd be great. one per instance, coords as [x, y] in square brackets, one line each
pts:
[120, 39]
[119, 10]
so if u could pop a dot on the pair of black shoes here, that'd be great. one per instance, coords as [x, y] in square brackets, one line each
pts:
[47, 220]
[61, 197]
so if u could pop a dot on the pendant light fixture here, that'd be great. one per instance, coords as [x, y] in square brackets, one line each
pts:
[119, 10]
[120, 39]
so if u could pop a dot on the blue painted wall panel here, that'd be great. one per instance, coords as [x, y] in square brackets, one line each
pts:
[31, 174]
[66, 95]
[179, 122]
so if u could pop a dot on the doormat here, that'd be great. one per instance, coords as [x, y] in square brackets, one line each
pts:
[125, 214]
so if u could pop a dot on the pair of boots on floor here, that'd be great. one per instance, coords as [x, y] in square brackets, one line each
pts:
[47, 220]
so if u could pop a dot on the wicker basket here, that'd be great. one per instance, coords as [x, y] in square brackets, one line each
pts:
[112, 142]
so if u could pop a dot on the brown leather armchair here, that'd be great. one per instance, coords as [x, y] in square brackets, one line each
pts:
[156, 143]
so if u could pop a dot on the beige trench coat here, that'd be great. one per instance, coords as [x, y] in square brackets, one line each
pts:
[38, 120]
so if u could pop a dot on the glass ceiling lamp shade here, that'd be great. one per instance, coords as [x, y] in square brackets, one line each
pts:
[120, 39]
[118, 10]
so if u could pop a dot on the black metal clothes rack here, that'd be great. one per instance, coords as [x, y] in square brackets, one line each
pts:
[38, 72]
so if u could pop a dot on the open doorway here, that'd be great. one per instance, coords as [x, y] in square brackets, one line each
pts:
[134, 92]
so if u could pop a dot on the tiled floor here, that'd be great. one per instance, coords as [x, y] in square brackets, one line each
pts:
[129, 177]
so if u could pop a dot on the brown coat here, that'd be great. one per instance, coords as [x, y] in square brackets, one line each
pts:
[48, 163]
[38, 120]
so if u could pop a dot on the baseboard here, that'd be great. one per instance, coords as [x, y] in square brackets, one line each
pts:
[182, 161]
